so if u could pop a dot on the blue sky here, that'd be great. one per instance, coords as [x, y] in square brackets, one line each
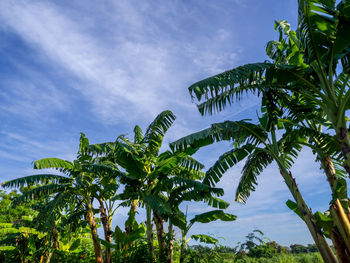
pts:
[100, 67]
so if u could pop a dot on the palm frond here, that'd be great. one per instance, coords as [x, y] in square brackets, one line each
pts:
[55, 206]
[216, 202]
[102, 169]
[100, 148]
[41, 191]
[195, 140]
[240, 132]
[35, 179]
[173, 162]
[138, 136]
[225, 162]
[213, 216]
[205, 239]
[185, 173]
[316, 27]
[221, 83]
[129, 156]
[236, 131]
[158, 204]
[341, 44]
[255, 164]
[205, 194]
[190, 164]
[185, 182]
[156, 130]
[219, 102]
[55, 163]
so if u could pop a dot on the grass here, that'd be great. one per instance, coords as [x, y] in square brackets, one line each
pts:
[282, 258]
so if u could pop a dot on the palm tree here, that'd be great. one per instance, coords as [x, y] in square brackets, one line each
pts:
[259, 145]
[314, 64]
[151, 178]
[327, 152]
[138, 158]
[78, 186]
[177, 181]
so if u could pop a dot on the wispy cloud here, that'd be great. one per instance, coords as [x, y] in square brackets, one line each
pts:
[130, 74]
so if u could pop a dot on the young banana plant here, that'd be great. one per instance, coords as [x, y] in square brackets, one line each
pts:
[206, 217]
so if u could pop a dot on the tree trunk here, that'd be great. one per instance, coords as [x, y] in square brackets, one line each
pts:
[149, 232]
[133, 209]
[339, 246]
[344, 143]
[159, 221]
[341, 221]
[328, 167]
[106, 229]
[320, 241]
[341, 231]
[183, 247]
[92, 223]
[171, 243]
[56, 244]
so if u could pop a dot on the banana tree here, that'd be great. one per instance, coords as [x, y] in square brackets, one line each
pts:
[138, 158]
[77, 186]
[310, 118]
[312, 62]
[335, 223]
[151, 176]
[175, 186]
[316, 65]
[259, 145]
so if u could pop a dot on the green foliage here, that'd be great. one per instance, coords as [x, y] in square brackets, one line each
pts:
[23, 237]
[213, 216]
[205, 239]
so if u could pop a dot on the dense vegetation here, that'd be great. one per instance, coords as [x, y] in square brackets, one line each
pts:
[304, 88]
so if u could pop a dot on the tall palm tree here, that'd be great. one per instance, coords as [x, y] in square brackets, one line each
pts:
[259, 145]
[311, 62]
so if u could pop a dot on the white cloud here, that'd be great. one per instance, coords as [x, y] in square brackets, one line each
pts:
[128, 75]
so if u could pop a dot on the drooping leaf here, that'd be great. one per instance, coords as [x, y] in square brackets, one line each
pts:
[55, 163]
[213, 216]
[41, 191]
[256, 162]
[205, 239]
[324, 222]
[294, 207]
[156, 130]
[216, 202]
[35, 179]
[225, 162]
